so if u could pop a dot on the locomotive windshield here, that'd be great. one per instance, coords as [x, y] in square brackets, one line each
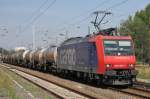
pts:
[118, 47]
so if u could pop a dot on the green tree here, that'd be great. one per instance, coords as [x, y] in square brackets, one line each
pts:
[139, 28]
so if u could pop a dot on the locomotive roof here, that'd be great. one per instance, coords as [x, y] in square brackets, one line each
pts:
[74, 40]
[109, 32]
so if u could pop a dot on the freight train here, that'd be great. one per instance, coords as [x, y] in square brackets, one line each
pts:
[105, 58]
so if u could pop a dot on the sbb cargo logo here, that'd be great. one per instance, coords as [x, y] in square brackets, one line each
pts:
[68, 56]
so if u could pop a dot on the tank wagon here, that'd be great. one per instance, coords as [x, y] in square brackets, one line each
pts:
[51, 55]
[42, 59]
[47, 58]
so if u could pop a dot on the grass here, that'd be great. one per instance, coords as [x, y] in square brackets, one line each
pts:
[36, 91]
[143, 72]
[6, 86]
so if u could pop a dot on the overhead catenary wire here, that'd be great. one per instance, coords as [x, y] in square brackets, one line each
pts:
[32, 16]
[80, 21]
[109, 8]
[72, 24]
[36, 12]
[81, 14]
[117, 4]
[36, 17]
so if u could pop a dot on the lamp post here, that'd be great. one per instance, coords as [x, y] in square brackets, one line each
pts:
[4, 33]
[33, 42]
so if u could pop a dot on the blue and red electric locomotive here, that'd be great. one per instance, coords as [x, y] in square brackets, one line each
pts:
[108, 59]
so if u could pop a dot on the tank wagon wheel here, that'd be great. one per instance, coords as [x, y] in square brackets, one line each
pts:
[44, 68]
[41, 68]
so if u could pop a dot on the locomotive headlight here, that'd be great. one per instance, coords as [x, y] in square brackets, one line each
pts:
[131, 65]
[108, 65]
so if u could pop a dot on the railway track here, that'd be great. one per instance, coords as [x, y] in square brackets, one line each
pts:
[77, 92]
[135, 91]
[139, 89]
[142, 84]
[59, 91]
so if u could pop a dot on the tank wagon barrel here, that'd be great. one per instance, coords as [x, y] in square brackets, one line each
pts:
[26, 55]
[42, 56]
[36, 56]
[31, 59]
[51, 54]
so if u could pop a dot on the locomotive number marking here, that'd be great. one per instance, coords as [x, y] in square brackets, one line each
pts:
[68, 56]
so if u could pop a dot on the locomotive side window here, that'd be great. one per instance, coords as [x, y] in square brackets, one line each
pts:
[118, 47]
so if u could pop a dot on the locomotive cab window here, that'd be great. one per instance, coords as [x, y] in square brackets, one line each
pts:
[118, 47]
